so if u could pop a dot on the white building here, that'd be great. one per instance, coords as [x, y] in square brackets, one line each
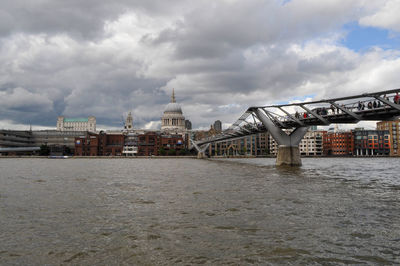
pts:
[173, 119]
[310, 145]
[76, 124]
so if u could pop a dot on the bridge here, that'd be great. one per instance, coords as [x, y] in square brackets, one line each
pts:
[288, 123]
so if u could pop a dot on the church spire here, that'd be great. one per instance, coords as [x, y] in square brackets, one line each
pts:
[173, 96]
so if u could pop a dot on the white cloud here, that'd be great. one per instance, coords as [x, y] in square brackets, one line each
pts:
[153, 125]
[20, 98]
[387, 16]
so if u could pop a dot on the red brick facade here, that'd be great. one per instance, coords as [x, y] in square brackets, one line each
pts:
[99, 145]
[152, 143]
[171, 143]
[341, 143]
[149, 144]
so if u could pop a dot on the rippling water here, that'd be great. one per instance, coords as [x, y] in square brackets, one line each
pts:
[188, 211]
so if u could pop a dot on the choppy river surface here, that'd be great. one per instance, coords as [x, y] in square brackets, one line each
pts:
[188, 211]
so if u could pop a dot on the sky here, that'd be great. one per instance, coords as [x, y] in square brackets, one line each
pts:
[106, 58]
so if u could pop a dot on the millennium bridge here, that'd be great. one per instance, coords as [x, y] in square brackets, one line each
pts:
[288, 123]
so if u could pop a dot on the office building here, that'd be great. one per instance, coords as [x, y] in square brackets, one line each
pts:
[371, 142]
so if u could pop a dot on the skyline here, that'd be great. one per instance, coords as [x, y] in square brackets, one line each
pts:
[106, 59]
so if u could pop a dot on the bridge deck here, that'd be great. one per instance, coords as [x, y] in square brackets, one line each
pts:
[352, 109]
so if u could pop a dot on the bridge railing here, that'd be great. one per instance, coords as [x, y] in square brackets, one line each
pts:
[352, 108]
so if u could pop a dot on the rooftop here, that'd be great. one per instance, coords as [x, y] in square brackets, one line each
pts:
[76, 120]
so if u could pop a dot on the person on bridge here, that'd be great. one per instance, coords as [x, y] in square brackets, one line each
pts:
[387, 99]
[359, 107]
[397, 98]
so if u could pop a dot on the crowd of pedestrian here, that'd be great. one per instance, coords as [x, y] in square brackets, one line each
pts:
[360, 107]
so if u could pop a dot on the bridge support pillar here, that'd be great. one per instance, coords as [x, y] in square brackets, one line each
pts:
[201, 155]
[201, 151]
[288, 156]
[288, 145]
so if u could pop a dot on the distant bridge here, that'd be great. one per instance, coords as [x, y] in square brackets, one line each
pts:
[297, 117]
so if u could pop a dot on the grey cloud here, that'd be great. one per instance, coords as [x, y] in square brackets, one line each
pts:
[220, 57]
[81, 19]
[215, 30]
[326, 63]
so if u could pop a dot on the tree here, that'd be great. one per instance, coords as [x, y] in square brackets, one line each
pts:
[162, 152]
[67, 150]
[44, 150]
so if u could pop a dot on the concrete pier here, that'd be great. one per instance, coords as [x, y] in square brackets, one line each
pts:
[289, 156]
[201, 155]
[201, 151]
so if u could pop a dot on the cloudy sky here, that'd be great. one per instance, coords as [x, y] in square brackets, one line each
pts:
[104, 58]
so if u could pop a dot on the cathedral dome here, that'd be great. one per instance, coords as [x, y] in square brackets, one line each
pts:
[173, 119]
[173, 108]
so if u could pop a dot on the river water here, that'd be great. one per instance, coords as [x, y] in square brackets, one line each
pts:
[185, 211]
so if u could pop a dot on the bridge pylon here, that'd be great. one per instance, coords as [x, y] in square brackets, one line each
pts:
[201, 150]
[288, 145]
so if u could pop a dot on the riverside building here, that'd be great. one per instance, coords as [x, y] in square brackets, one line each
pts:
[252, 145]
[16, 138]
[394, 135]
[64, 140]
[76, 124]
[310, 145]
[371, 142]
[101, 144]
[338, 143]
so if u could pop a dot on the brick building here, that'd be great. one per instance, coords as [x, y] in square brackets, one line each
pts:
[338, 143]
[101, 144]
[170, 143]
[394, 132]
[114, 144]
[148, 144]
